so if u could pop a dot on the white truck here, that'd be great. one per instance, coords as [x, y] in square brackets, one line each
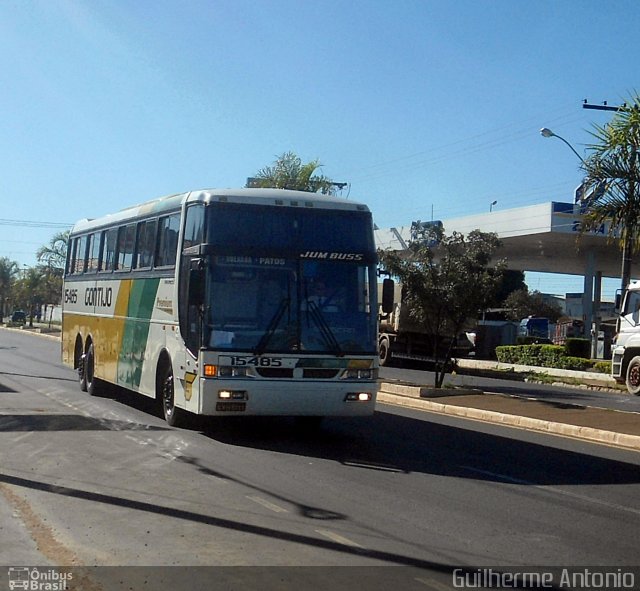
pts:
[401, 338]
[625, 358]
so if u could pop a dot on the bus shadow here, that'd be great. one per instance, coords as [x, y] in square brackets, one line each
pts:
[393, 443]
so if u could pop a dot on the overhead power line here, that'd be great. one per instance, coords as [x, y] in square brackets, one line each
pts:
[34, 224]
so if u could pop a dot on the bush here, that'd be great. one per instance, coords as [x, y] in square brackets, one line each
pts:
[577, 347]
[574, 363]
[506, 353]
[541, 356]
[602, 367]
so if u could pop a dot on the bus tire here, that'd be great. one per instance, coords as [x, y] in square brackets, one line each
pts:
[385, 352]
[175, 417]
[633, 376]
[79, 358]
[94, 385]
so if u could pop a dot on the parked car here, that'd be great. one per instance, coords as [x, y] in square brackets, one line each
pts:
[19, 316]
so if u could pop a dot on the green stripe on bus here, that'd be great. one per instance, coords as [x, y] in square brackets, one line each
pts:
[136, 331]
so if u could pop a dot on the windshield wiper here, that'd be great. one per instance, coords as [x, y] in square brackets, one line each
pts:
[272, 326]
[325, 330]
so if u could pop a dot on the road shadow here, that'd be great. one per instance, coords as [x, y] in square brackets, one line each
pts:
[4, 388]
[395, 443]
[39, 377]
[68, 422]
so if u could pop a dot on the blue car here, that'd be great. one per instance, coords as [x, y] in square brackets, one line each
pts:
[19, 316]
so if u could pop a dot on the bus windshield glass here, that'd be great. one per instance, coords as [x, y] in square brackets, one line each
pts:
[279, 290]
[261, 230]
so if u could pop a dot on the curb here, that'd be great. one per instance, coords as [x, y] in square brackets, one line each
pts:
[550, 427]
[36, 332]
[415, 391]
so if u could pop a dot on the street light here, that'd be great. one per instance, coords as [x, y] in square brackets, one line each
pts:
[546, 132]
[491, 205]
[592, 316]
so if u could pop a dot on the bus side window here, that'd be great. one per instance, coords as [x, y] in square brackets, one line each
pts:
[71, 255]
[94, 253]
[168, 240]
[108, 257]
[126, 242]
[146, 243]
[80, 254]
[194, 226]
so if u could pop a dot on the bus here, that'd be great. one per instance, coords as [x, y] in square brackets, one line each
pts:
[227, 302]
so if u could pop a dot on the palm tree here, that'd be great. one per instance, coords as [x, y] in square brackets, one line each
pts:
[612, 174]
[54, 255]
[8, 271]
[288, 172]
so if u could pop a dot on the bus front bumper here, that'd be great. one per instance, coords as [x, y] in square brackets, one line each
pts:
[294, 398]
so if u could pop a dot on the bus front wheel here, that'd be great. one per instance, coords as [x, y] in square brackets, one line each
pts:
[93, 385]
[174, 416]
[79, 357]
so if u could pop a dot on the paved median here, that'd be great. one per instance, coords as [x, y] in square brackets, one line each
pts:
[611, 427]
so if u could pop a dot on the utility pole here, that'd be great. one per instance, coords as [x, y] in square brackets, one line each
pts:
[603, 107]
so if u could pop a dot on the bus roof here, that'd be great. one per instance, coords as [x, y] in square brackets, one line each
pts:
[276, 197]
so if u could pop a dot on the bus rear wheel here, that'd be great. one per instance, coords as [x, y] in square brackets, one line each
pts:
[174, 416]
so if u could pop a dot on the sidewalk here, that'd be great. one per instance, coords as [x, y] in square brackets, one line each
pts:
[611, 427]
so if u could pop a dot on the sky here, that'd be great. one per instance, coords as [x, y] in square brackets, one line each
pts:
[425, 108]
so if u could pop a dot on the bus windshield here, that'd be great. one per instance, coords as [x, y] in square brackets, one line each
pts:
[290, 280]
[269, 305]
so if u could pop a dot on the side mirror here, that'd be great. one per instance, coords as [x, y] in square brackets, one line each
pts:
[196, 282]
[387, 296]
[618, 301]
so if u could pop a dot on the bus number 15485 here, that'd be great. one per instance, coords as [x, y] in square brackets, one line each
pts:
[256, 361]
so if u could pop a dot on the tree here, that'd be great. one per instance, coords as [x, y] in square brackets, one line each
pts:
[8, 272]
[288, 172]
[612, 175]
[446, 281]
[28, 291]
[55, 254]
[512, 280]
[522, 303]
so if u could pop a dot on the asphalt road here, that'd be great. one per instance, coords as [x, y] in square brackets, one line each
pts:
[104, 481]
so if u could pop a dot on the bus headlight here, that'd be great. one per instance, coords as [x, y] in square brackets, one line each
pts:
[358, 374]
[232, 395]
[358, 397]
[224, 371]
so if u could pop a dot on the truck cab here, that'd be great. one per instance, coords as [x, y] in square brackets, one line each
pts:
[625, 360]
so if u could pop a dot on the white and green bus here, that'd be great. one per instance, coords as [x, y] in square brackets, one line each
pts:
[227, 302]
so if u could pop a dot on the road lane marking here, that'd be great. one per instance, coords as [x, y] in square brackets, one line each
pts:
[268, 504]
[372, 466]
[338, 538]
[554, 490]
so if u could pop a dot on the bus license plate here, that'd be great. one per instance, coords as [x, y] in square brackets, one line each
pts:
[231, 406]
